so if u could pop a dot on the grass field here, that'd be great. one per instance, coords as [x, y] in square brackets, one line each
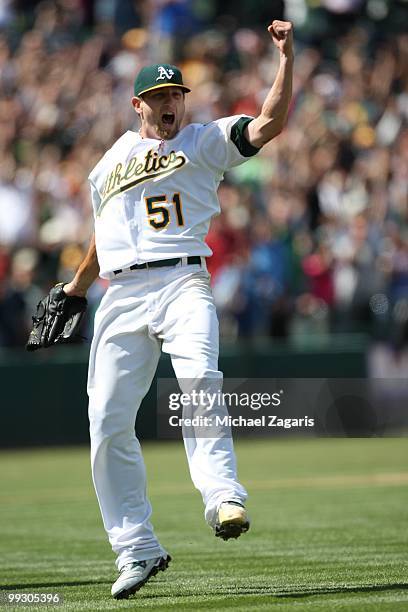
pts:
[329, 530]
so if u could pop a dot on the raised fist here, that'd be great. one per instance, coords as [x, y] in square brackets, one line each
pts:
[282, 35]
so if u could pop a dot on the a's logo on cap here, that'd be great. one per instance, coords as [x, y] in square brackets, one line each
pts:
[164, 74]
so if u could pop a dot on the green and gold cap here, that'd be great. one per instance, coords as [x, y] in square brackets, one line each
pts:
[158, 75]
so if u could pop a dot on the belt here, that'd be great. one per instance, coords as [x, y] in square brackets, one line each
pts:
[193, 259]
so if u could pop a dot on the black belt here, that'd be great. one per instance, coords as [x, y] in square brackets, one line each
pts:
[193, 259]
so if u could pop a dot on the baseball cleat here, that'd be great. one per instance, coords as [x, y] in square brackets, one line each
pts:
[135, 574]
[232, 520]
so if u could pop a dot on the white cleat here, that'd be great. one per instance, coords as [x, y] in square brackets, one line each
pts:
[232, 520]
[135, 574]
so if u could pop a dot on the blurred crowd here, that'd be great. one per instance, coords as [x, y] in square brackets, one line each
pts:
[313, 234]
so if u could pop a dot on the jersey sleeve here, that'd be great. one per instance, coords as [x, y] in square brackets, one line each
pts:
[221, 144]
[95, 197]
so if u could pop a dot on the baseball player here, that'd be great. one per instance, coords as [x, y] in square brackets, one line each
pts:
[153, 196]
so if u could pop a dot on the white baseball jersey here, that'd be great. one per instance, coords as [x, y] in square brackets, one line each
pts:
[154, 199]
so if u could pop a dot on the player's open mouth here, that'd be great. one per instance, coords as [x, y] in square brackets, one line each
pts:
[168, 118]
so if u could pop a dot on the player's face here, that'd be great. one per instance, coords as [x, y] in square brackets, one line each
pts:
[161, 112]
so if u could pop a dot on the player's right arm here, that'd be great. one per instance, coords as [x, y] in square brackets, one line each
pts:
[86, 274]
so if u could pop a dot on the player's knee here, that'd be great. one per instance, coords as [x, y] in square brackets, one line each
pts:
[111, 426]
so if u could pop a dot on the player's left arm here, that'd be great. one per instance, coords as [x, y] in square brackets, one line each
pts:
[273, 115]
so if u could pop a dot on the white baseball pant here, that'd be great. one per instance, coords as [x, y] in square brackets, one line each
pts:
[142, 311]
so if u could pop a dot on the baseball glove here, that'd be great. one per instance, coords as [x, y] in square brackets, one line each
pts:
[57, 319]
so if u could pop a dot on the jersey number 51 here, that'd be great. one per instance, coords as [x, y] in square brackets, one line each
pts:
[159, 214]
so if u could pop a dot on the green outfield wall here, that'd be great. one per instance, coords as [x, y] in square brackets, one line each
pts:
[44, 401]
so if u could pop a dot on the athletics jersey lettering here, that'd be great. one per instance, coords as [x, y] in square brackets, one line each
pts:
[138, 170]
